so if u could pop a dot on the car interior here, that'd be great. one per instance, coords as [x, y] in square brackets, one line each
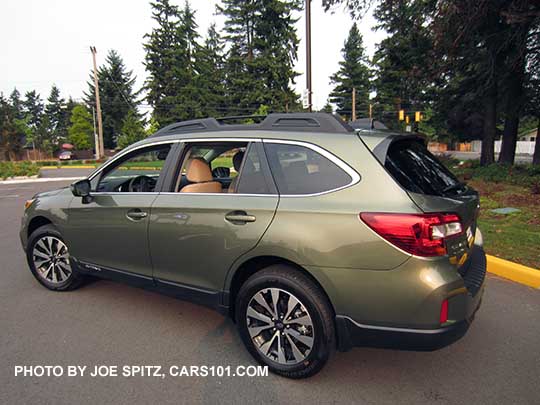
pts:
[211, 168]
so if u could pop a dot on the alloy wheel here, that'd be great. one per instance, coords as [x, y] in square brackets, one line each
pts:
[280, 326]
[51, 259]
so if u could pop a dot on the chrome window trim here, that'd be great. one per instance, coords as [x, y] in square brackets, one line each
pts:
[171, 141]
[221, 194]
[355, 177]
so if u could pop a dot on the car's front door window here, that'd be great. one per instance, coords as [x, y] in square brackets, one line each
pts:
[137, 173]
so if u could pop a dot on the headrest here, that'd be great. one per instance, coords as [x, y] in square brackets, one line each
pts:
[237, 160]
[198, 171]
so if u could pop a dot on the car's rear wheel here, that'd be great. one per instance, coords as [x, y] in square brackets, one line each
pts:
[49, 260]
[285, 321]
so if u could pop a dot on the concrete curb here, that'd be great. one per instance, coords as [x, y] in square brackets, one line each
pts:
[68, 167]
[514, 271]
[39, 180]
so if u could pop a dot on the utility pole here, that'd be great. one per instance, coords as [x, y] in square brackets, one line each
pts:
[100, 150]
[308, 53]
[96, 140]
[370, 111]
[353, 104]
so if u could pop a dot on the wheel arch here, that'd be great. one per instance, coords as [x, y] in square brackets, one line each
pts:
[37, 222]
[258, 263]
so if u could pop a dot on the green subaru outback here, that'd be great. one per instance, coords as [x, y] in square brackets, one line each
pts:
[310, 235]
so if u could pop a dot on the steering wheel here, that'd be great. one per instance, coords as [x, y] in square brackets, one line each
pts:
[141, 184]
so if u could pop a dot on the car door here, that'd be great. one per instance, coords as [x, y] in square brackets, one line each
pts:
[196, 236]
[110, 231]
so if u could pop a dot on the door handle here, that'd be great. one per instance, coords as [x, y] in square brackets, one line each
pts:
[239, 217]
[136, 214]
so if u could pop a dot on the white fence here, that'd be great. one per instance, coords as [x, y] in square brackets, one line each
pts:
[522, 147]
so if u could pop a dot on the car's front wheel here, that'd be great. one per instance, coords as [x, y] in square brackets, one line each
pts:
[49, 260]
[285, 321]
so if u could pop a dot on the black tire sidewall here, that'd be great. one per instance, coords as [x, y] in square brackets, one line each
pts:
[323, 337]
[50, 230]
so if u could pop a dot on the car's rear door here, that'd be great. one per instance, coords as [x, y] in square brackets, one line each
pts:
[195, 237]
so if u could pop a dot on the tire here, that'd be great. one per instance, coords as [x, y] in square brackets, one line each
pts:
[305, 345]
[58, 274]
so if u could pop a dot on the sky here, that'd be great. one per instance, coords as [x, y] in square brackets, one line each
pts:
[47, 41]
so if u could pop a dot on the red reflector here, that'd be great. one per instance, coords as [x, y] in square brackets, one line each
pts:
[418, 234]
[444, 312]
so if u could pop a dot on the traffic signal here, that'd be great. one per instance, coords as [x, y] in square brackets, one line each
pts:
[407, 119]
[417, 116]
[401, 115]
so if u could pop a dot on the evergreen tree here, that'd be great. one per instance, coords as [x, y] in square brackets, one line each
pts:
[262, 52]
[33, 115]
[353, 73]
[210, 78]
[16, 103]
[132, 130]
[55, 111]
[12, 130]
[170, 62]
[117, 94]
[81, 131]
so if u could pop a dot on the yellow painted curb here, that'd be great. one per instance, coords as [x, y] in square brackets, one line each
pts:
[513, 271]
[68, 167]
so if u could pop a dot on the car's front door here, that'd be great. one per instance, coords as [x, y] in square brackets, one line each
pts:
[195, 236]
[110, 232]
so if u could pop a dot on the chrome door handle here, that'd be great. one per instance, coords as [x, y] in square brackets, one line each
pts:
[136, 214]
[239, 217]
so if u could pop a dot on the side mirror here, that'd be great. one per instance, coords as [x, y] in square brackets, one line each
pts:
[81, 188]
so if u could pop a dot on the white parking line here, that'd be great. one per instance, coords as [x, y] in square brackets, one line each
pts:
[40, 180]
[9, 196]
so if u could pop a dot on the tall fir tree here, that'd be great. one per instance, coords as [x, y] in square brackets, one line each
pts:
[400, 60]
[117, 94]
[12, 129]
[170, 62]
[354, 73]
[210, 78]
[16, 103]
[55, 111]
[263, 48]
[33, 116]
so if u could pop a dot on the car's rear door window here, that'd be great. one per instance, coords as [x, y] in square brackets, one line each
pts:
[299, 170]
[418, 171]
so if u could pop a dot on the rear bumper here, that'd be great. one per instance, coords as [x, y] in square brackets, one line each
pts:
[351, 333]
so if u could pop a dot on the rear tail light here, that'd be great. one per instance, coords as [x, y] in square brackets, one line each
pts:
[444, 312]
[418, 234]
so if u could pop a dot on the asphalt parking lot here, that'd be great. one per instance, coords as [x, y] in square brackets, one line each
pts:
[105, 323]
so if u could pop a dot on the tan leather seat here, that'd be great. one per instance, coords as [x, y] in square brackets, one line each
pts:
[198, 173]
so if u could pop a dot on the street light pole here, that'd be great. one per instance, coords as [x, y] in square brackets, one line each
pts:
[308, 53]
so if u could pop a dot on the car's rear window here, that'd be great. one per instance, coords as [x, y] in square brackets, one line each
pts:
[417, 170]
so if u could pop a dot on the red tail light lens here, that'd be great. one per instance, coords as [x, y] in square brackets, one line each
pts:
[418, 234]
[444, 312]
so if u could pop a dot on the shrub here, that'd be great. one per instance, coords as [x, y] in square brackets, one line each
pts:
[13, 169]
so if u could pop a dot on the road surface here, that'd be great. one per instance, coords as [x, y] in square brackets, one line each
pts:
[103, 323]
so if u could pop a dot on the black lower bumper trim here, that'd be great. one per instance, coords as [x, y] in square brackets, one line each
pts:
[351, 334]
